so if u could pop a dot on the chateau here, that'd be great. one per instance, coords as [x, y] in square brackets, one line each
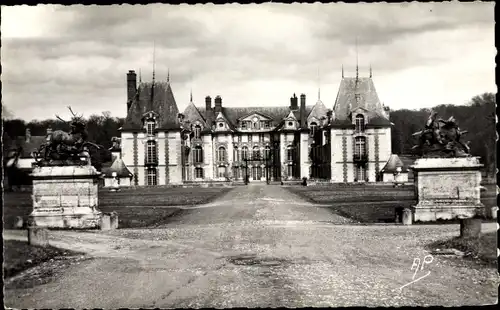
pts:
[216, 142]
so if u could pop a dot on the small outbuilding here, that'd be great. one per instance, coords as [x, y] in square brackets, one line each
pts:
[117, 175]
[394, 171]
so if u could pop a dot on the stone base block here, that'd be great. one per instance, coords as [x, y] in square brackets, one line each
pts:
[73, 218]
[470, 228]
[431, 213]
[38, 236]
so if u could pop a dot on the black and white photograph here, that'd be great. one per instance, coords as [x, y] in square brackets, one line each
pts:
[249, 155]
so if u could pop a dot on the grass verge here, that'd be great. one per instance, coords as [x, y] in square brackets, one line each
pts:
[370, 204]
[136, 207]
[484, 248]
[19, 256]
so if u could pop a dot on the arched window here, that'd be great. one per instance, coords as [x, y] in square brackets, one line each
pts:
[314, 127]
[236, 156]
[267, 152]
[290, 153]
[150, 127]
[151, 152]
[360, 146]
[198, 154]
[360, 123]
[244, 152]
[197, 131]
[256, 152]
[221, 154]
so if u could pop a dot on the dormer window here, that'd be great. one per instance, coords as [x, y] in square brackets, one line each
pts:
[360, 123]
[197, 131]
[290, 124]
[221, 125]
[150, 127]
[314, 127]
[243, 125]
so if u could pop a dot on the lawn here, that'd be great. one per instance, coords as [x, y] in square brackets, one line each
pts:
[485, 249]
[19, 256]
[136, 207]
[370, 204]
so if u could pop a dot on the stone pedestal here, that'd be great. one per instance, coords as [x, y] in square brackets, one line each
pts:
[65, 197]
[447, 188]
[407, 216]
[470, 228]
[38, 236]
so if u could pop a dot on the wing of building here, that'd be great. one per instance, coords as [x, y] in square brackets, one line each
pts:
[213, 141]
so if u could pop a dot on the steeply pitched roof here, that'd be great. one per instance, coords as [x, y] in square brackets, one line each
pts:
[26, 148]
[192, 113]
[393, 163]
[318, 110]
[119, 167]
[346, 97]
[157, 97]
[232, 114]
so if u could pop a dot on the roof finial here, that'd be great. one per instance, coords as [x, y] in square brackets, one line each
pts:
[140, 76]
[168, 75]
[370, 71]
[154, 52]
[342, 70]
[357, 67]
[191, 96]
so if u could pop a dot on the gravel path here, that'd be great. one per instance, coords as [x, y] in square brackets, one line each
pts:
[258, 246]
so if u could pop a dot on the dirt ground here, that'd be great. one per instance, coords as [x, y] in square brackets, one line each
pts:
[259, 246]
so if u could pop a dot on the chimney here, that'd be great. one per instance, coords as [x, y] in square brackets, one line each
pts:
[303, 110]
[131, 87]
[208, 103]
[218, 104]
[28, 135]
[293, 103]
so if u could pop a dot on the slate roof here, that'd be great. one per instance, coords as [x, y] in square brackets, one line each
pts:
[368, 99]
[157, 97]
[26, 148]
[232, 114]
[393, 163]
[119, 167]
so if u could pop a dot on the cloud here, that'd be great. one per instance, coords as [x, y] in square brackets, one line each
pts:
[55, 55]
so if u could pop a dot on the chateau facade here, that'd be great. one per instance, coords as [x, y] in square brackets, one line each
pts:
[349, 143]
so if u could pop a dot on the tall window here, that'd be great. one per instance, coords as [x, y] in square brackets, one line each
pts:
[360, 123]
[151, 152]
[360, 146]
[314, 128]
[152, 176]
[197, 131]
[198, 173]
[150, 127]
[256, 152]
[289, 170]
[198, 154]
[236, 156]
[267, 152]
[289, 152]
[236, 173]
[221, 154]
[361, 173]
[244, 152]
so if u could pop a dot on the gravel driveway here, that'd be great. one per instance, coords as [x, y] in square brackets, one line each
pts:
[259, 246]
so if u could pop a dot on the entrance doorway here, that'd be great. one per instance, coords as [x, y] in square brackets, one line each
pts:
[256, 173]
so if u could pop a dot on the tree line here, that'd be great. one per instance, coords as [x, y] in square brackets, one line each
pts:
[477, 117]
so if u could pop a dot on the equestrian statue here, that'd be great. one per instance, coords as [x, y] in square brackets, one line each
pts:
[441, 138]
[66, 148]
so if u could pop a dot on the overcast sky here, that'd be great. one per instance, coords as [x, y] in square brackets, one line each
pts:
[422, 54]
